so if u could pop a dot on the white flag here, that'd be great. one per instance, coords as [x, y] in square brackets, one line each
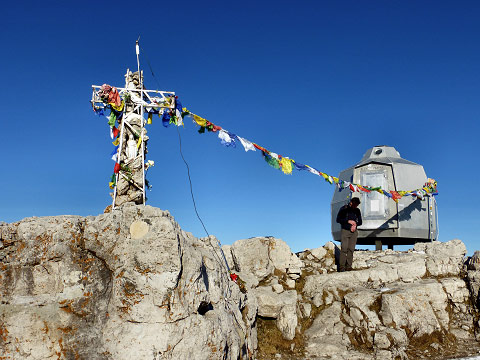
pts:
[246, 144]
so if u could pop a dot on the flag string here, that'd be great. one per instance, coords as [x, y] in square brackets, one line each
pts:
[175, 114]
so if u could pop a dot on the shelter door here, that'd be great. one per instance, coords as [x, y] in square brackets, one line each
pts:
[378, 211]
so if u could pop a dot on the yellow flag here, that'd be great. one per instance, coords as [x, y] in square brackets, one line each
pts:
[286, 164]
[139, 142]
[116, 142]
[149, 120]
[199, 120]
[118, 108]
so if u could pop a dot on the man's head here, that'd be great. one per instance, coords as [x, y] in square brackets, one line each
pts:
[354, 202]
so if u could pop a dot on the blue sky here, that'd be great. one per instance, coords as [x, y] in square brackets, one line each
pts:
[318, 81]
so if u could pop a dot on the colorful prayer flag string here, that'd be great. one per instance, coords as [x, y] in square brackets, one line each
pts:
[174, 115]
[286, 164]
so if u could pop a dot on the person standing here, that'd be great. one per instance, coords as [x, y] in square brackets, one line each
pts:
[349, 217]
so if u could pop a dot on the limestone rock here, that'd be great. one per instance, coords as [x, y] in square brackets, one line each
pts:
[305, 309]
[287, 321]
[474, 261]
[132, 284]
[270, 303]
[122, 285]
[251, 256]
[319, 253]
[473, 277]
[443, 258]
[282, 257]
[381, 341]
[290, 283]
[278, 288]
[420, 307]
[261, 256]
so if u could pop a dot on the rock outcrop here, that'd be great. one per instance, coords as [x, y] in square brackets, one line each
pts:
[131, 284]
[394, 305]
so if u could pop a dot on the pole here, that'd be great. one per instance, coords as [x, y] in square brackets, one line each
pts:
[140, 78]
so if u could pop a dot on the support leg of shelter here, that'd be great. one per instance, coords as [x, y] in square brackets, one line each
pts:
[378, 245]
[390, 246]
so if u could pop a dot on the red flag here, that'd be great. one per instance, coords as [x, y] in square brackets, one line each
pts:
[115, 132]
[363, 188]
[260, 148]
[395, 195]
[116, 169]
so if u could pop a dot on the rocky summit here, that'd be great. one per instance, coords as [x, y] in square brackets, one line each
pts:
[131, 284]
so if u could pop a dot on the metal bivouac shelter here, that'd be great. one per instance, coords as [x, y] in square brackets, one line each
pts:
[386, 222]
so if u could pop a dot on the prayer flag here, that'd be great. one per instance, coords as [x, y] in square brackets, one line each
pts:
[313, 171]
[111, 119]
[226, 138]
[274, 155]
[166, 118]
[178, 104]
[119, 107]
[114, 132]
[116, 142]
[395, 196]
[199, 120]
[246, 144]
[212, 127]
[116, 169]
[260, 148]
[299, 166]
[99, 111]
[114, 154]
[178, 113]
[286, 164]
[271, 160]
[113, 181]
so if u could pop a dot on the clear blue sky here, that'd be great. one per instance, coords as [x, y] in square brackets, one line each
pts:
[318, 81]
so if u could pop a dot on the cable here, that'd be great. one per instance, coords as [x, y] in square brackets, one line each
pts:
[229, 290]
[181, 153]
[150, 67]
[195, 206]
[190, 181]
[189, 178]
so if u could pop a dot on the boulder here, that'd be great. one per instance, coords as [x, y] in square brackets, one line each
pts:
[443, 259]
[319, 253]
[270, 303]
[287, 321]
[420, 307]
[257, 258]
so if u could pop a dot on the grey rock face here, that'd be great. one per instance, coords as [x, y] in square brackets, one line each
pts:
[129, 284]
[392, 302]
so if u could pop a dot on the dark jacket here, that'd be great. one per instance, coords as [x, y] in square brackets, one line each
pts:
[346, 213]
